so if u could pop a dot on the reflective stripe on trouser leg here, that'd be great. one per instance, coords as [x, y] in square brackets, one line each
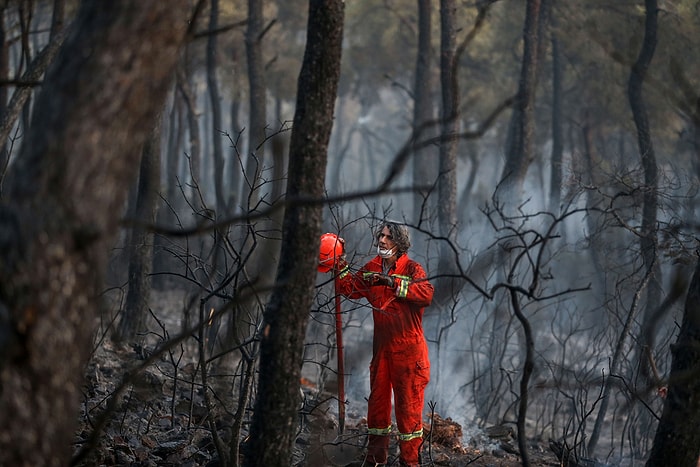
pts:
[411, 373]
[381, 431]
[379, 411]
[410, 444]
[410, 436]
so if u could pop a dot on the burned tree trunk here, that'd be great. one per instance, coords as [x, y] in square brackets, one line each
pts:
[519, 153]
[140, 247]
[60, 212]
[648, 236]
[425, 167]
[257, 100]
[215, 100]
[677, 440]
[447, 287]
[286, 316]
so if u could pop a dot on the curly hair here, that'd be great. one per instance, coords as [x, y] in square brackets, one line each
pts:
[399, 233]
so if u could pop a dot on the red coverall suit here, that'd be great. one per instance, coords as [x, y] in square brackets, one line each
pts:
[400, 353]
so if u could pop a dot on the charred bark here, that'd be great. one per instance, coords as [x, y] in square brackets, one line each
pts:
[195, 146]
[215, 99]
[425, 163]
[140, 247]
[21, 95]
[64, 194]
[286, 315]
[446, 286]
[555, 179]
[258, 97]
[519, 153]
[648, 239]
[677, 440]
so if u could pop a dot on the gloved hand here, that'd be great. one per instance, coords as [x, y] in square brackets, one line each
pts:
[340, 264]
[380, 279]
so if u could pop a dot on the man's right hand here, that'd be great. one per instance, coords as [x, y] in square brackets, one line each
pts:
[340, 264]
[380, 279]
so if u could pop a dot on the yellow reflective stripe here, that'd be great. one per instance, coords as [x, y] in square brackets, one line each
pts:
[379, 431]
[408, 278]
[367, 275]
[410, 436]
[344, 272]
[402, 289]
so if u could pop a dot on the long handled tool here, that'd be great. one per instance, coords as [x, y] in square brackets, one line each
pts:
[331, 250]
[341, 362]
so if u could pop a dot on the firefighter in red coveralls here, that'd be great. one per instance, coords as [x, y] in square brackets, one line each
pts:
[398, 290]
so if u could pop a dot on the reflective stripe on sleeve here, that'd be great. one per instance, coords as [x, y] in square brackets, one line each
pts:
[402, 289]
[344, 272]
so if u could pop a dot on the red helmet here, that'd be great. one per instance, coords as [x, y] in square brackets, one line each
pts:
[331, 249]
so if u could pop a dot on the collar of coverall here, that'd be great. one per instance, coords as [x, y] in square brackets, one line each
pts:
[392, 262]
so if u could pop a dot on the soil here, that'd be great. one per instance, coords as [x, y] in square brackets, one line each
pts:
[157, 421]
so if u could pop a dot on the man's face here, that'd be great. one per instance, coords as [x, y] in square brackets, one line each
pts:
[385, 240]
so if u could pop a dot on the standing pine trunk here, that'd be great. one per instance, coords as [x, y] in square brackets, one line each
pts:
[648, 234]
[425, 165]
[215, 100]
[677, 440]
[258, 100]
[195, 141]
[519, 153]
[264, 257]
[447, 187]
[648, 238]
[35, 70]
[140, 246]
[286, 316]
[61, 212]
[556, 174]
[4, 74]
[648, 241]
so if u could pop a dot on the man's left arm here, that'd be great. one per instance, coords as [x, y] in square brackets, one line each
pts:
[415, 287]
